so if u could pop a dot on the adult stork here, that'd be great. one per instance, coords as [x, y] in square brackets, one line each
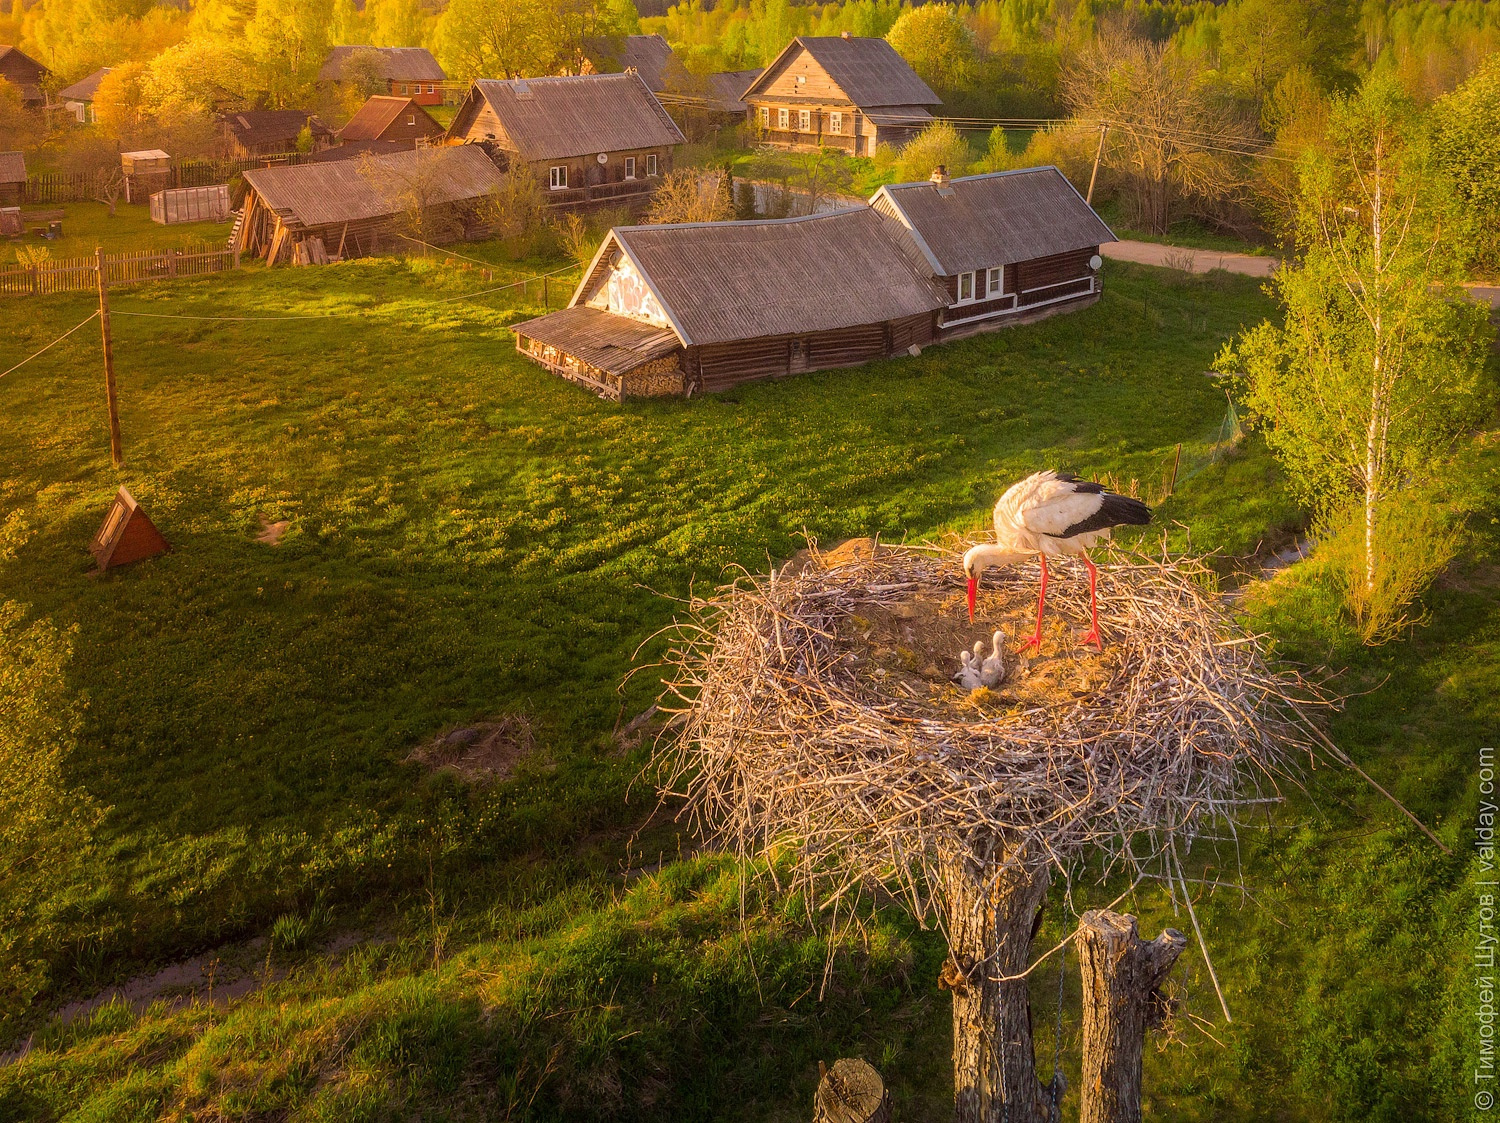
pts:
[1052, 514]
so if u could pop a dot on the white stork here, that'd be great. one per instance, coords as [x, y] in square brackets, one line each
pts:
[1052, 514]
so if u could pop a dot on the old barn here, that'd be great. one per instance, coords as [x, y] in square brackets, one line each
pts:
[586, 137]
[351, 205]
[1002, 244]
[393, 119]
[705, 306]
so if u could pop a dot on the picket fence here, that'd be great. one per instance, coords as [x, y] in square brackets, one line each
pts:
[80, 274]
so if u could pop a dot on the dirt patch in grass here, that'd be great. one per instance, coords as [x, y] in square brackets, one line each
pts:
[481, 751]
[271, 532]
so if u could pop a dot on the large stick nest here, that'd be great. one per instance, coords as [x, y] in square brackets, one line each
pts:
[817, 711]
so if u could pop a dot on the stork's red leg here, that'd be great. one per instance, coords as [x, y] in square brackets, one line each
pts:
[1041, 601]
[1093, 636]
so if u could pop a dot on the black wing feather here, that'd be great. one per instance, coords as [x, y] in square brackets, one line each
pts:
[1116, 510]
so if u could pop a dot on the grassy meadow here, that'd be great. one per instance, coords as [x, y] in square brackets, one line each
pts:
[471, 537]
[128, 230]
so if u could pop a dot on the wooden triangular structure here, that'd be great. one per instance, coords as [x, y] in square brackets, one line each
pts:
[127, 535]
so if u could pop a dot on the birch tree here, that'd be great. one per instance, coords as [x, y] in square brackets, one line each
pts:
[1378, 368]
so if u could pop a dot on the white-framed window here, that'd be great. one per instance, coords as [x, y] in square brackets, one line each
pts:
[629, 167]
[411, 118]
[403, 87]
[997, 278]
[835, 122]
[782, 116]
[430, 88]
[965, 288]
[804, 120]
[765, 116]
[559, 177]
[651, 163]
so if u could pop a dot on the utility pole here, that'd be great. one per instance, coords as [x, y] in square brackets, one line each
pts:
[1103, 130]
[115, 452]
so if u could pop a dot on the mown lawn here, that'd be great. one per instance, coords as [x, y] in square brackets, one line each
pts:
[470, 536]
[86, 225]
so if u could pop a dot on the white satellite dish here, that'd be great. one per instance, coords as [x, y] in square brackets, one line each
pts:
[603, 157]
[1095, 262]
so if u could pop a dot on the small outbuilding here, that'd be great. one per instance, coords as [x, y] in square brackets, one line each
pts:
[190, 204]
[585, 137]
[1000, 245]
[705, 306]
[270, 132]
[78, 98]
[407, 71]
[351, 205]
[12, 178]
[26, 74]
[397, 119]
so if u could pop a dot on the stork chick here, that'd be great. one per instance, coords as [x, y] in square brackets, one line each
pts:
[1053, 514]
[979, 669]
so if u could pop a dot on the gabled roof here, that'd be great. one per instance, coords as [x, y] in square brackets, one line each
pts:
[649, 56]
[575, 115]
[719, 282]
[85, 88]
[350, 190]
[404, 64]
[354, 149]
[379, 113]
[18, 67]
[982, 220]
[869, 71]
[728, 86]
[12, 167]
[256, 127]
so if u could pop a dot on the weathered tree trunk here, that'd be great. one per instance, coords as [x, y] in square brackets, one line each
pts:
[1121, 974]
[851, 1092]
[991, 919]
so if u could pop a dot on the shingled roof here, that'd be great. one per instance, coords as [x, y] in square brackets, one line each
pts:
[350, 190]
[602, 339]
[379, 113]
[401, 64]
[576, 115]
[982, 220]
[869, 71]
[12, 167]
[719, 282]
[85, 88]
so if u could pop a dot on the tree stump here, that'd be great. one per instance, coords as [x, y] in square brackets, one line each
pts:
[1121, 1000]
[991, 918]
[851, 1092]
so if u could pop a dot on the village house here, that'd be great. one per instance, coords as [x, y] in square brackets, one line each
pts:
[26, 74]
[350, 206]
[407, 71]
[395, 119]
[269, 132]
[1002, 244]
[78, 98]
[714, 98]
[704, 306]
[12, 178]
[839, 92]
[586, 137]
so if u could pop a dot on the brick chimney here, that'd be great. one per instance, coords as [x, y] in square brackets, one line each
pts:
[939, 175]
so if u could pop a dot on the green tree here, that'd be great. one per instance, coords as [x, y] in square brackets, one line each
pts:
[937, 43]
[1466, 146]
[1377, 369]
[44, 825]
[287, 41]
[1262, 40]
[503, 38]
[938, 143]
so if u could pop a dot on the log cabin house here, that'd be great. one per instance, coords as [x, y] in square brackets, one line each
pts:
[351, 205]
[586, 137]
[269, 132]
[78, 98]
[704, 306]
[407, 71]
[1001, 245]
[398, 119]
[26, 74]
[838, 91]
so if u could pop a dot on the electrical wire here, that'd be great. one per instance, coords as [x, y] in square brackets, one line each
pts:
[51, 345]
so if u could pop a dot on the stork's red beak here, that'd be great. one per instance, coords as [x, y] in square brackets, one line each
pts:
[973, 592]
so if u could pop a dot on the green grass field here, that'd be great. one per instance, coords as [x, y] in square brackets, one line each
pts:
[86, 225]
[470, 536]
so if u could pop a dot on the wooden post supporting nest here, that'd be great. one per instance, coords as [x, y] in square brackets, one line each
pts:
[850, 1092]
[1121, 1000]
[992, 914]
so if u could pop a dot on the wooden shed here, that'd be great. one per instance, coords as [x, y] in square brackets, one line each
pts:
[1001, 245]
[148, 161]
[191, 204]
[397, 119]
[705, 306]
[350, 205]
[12, 177]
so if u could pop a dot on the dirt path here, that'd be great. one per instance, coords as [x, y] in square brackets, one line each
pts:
[1201, 261]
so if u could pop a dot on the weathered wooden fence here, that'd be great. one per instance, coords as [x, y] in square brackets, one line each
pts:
[80, 187]
[80, 274]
